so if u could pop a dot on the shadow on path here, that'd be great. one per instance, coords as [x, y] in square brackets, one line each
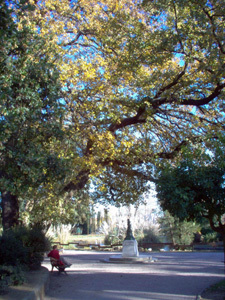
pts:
[175, 276]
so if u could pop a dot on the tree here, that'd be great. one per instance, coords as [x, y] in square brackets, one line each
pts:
[194, 188]
[178, 232]
[30, 111]
[140, 80]
[45, 208]
[123, 189]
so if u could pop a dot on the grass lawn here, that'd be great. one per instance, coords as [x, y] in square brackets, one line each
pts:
[89, 238]
[83, 239]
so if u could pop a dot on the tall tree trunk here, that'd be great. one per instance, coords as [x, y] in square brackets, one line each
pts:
[220, 229]
[223, 236]
[10, 210]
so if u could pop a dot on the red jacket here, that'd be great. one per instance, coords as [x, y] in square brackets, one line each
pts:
[55, 254]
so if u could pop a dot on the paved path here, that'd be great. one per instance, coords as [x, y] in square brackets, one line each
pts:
[175, 276]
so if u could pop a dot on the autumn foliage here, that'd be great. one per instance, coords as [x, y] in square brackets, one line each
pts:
[118, 84]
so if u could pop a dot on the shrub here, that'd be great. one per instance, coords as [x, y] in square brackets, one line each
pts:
[12, 275]
[211, 237]
[36, 244]
[12, 250]
[23, 246]
[114, 237]
[111, 239]
[20, 248]
[150, 236]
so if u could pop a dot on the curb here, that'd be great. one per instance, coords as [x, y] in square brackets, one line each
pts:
[35, 287]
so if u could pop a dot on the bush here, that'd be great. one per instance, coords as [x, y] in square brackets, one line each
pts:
[12, 250]
[150, 236]
[111, 239]
[211, 237]
[12, 275]
[114, 237]
[23, 246]
[36, 244]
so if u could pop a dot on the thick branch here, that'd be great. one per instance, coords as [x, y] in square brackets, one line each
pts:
[174, 152]
[78, 183]
[217, 91]
[212, 225]
[136, 173]
[193, 102]
[129, 121]
[116, 163]
[140, 119]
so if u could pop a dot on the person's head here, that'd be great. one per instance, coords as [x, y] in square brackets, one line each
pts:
[54, 247]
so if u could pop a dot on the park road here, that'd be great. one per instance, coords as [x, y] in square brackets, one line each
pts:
[174, 276]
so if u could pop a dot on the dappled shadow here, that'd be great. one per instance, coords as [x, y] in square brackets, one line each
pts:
[174, 276]
[171, 261]
[81, 285]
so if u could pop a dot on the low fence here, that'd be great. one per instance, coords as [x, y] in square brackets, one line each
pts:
[148, 246]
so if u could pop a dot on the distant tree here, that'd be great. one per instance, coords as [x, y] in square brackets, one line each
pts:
[207, 235]
[194, 188]
[176, 231]
[98, 220]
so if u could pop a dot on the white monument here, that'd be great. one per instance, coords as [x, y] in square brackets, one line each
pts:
[130, 245]
[130, 252]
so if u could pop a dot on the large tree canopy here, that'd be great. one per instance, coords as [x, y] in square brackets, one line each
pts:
[140, 79]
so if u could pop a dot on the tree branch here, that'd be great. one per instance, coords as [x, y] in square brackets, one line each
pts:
[205, 100]
[129, 121]
[79, 34]
[214, 30]
[79, 182]
[132, 173]
[173, 83]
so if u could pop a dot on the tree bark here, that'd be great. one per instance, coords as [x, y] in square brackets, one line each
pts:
[220, 229]
[10, 210]
[224, 249]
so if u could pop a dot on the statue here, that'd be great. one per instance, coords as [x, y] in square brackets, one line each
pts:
[130, 245]
[130, 253]
[129, 235]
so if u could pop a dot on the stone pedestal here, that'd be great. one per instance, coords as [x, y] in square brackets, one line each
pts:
[130, 248]
[130, 254]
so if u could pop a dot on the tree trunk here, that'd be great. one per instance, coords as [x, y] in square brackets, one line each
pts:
[220, 229]
[10, 210]
[223, 236]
